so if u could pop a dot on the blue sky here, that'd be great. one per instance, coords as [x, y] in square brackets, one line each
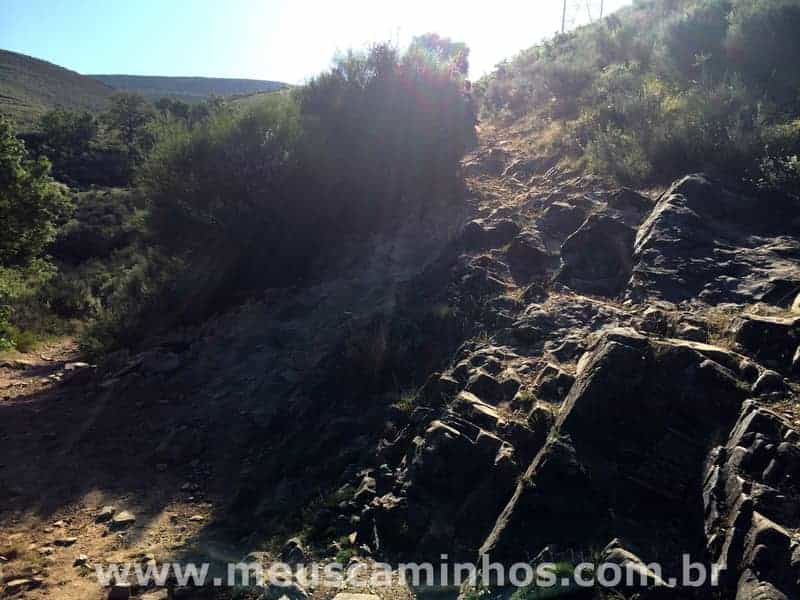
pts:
[286, 40]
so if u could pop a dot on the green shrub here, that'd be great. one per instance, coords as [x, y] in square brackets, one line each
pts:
[665, 88]
[31, 203]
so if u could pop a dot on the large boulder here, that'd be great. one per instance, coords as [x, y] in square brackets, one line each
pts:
[562, 218]
[703, 240]
[597, 258]
[773, 341]
[626, 456]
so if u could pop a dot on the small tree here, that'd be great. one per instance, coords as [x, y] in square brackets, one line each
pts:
[67, 133]
[30, 202]
[443, 51]
[129, 115]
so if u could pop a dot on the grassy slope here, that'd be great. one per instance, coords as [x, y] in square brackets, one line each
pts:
[188, 89]
[661, 88]
[29, 87]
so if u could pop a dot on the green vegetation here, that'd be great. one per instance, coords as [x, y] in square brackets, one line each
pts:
[663, 88]
[31, 203]
[188, 89]
[248, 199]
[30, 87]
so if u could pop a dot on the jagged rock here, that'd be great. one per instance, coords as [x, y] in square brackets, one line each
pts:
[634, 569]
[626, 199]
[770, 383]
[597, 258]
[704, 241]
[439, 389]
[771, 340]
[106, 514]
[485, 386]
[751, 508]
[621, 442]
[471, 407]
[560, 219]
[293, 551]
[553, 383]
[528, 255]
[157, 595]
[478, 235]
[654, 320]
[693, 333]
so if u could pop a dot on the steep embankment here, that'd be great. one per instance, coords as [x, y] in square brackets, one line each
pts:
[29, 87]
[560, 365]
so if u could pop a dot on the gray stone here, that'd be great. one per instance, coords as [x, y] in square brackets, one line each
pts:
[770, 383]
[122, 520]
[65, 541]
[105, 514]
[693, 333]
[293, 551]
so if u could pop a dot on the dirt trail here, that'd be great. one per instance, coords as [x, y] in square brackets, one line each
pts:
[48, 541]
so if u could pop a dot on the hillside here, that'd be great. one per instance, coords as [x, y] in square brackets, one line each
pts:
[29, 87]
[345, 327]
[188, 89]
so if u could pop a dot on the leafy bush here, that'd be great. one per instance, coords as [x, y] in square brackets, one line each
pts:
[31, 204]
[666, 87]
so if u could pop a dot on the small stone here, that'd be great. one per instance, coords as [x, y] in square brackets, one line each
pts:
[157, 595]
[18, 585]
[105, 514]
[123, 520]
[60, 524]
[74, 366]
[81, 561]
[197, 518]
[65, 542]
[46, 550]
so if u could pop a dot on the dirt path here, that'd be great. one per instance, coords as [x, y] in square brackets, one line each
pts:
[49, 541]
[25, 374]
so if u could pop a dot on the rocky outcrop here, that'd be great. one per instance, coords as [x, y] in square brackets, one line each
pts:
[597, 258]
[772, 341]
[626, 455]
[752, 508]
[703, 241]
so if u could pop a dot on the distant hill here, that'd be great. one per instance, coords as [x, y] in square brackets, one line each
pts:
[29, 87]
[188, 89]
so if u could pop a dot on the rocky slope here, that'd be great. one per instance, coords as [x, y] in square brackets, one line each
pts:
[561, 367]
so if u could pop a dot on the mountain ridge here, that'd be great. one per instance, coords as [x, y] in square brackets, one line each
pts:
[31, 86]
